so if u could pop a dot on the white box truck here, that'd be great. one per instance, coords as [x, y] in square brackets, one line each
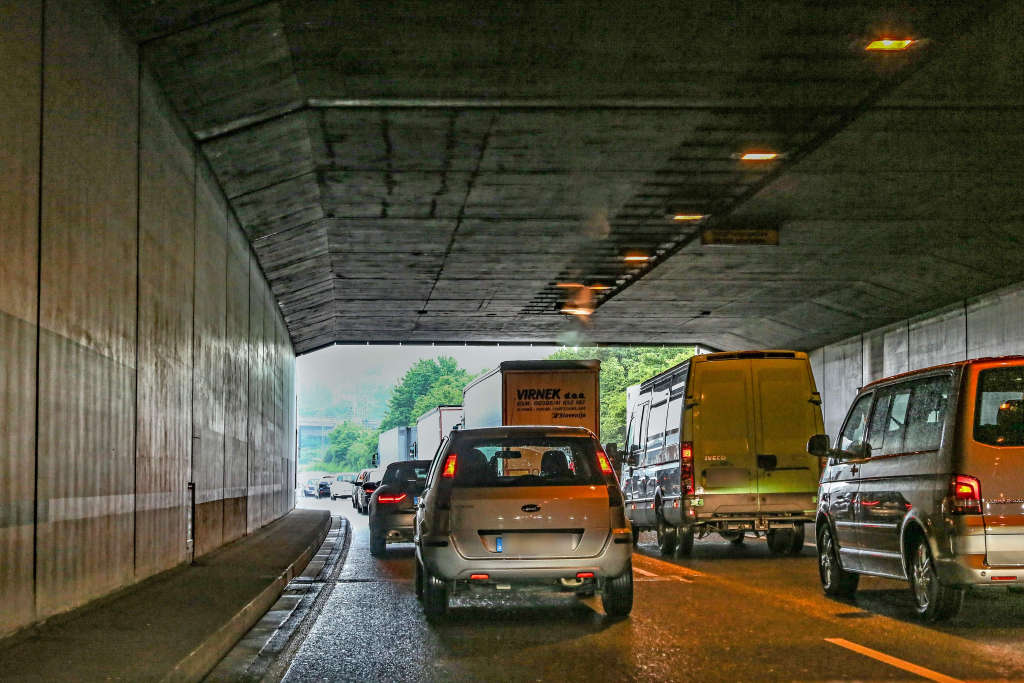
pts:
[433, 426]
[538, 392]
[398, 443]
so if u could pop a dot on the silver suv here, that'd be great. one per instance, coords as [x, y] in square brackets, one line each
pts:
[512, 506]
[926, 484]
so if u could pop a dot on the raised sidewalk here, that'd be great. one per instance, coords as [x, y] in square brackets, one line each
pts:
[176, 625]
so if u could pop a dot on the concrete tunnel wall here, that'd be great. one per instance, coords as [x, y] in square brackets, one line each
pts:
[140, 345]
[988, 325]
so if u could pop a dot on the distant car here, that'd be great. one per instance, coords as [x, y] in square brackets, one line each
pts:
[393, 504]
[310, 488]
[323, 488]
[523, 506]
[364, 492]
[356, 485]
[341, 487]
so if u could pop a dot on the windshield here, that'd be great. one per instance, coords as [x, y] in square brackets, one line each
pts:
[410, 472]
[527, 461]
[999, 413]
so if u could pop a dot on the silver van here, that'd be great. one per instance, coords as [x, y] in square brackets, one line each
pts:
[926, 484]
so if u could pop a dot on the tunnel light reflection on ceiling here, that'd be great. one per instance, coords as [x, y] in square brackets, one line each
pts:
[888, 45]
[636, 258]
[599, 287]
[569, 285]
[759, 156]
[688, 217]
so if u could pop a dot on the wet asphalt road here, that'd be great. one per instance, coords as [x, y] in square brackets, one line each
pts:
[726, 614]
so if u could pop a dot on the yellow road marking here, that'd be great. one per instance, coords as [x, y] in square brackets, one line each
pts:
[668, 566]
[894, 661]
[643, 572]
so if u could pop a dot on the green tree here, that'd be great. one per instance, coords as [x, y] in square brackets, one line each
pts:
[622, 366]
[443, 372]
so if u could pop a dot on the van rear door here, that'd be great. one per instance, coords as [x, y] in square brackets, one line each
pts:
[787, 413]
[994, 454]
[723, 446]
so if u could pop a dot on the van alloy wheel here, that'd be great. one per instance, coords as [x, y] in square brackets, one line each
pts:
[684, 541]
[934, 600]
[835, 581]
[666, 537]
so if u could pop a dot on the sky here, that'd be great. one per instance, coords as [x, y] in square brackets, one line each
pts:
[344, 368]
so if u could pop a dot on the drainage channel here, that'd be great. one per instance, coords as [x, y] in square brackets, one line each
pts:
[265, 652]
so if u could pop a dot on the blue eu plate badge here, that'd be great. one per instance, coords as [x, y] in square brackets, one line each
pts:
[498, 545]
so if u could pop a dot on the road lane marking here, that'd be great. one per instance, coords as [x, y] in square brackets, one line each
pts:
[669, 566]
[894, 661]
[643, 572]
[680, 578]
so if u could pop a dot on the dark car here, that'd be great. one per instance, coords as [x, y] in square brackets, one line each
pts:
[366, 490]
[323, 488]
[393, 504]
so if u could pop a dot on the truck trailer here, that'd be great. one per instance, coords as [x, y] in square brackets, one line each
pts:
[398, 443]
[538, 392]
[433, 426]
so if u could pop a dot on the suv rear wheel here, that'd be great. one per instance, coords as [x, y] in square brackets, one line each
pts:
[835, 581]
[617, 596]
[435, 595]
[786, 541]
[933, 600]
[684, 541]
[378, 544]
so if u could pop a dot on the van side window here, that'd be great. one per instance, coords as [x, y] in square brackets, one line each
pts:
[927, 414]
[675, 418]
[876, 425]
[655, 434]
[852, 436]
[999, 411]
[896, 424]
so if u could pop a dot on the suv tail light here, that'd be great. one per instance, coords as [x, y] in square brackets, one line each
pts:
[385, 498]
[965, 495]
[604, 463]
[450, 463]
[686, 467]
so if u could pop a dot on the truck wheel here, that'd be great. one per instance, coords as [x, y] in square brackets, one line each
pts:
[684, 544]
[378, 544]
[779, 540]
[796, 543]
[835, 581]
[435, 595]
[617, 596]
[934, 601]
[666, 537]
[734, 537]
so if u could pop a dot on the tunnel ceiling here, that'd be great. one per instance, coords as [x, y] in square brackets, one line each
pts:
[430, 171]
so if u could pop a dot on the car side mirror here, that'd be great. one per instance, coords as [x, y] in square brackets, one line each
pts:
[818, 446]
[633, 458]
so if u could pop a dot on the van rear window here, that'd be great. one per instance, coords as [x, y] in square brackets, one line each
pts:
[999, 412]
[528, 461]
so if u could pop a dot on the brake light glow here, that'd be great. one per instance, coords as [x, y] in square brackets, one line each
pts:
[604, 463]
[479, 577]
[448, 471]
[584, 575]
[391, 499]
[966, 495]
[686, 468]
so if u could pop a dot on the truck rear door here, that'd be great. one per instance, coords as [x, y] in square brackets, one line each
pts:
[723, 443]
[787, 413]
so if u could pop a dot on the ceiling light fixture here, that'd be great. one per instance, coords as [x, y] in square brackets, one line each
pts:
[569, 285]
[889, 45]
[636, 257]
[576, 311]
[759, 156]
[599, 287]
[693, 217]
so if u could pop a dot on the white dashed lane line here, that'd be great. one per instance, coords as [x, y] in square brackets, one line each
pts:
[894, 661]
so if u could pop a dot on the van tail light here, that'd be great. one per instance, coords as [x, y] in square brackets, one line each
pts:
[965, 494]
[604, 463]
[385, 498]
[450, 463]
[686, 468]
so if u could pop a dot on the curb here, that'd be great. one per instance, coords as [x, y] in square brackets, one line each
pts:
[196, 664]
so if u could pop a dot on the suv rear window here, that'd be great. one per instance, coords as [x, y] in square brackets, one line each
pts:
[406, 472]
[999, 413]
[527, 461]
